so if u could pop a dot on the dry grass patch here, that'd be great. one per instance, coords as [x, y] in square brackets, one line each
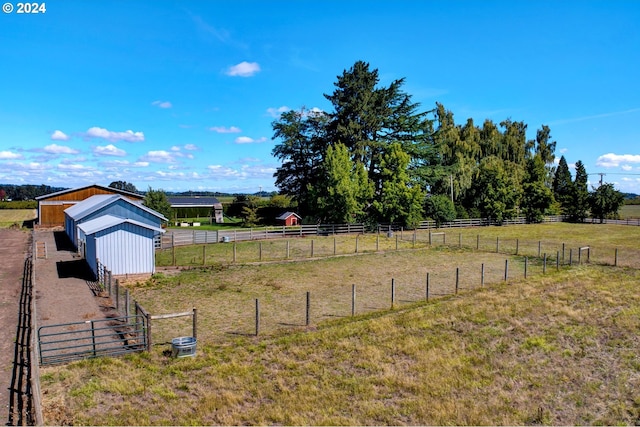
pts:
[558, 349]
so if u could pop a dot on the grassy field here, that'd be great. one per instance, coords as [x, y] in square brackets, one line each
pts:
[558, 348]
[629, 211]
[11, 217]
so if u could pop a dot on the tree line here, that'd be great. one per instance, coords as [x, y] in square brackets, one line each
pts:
[377, 157]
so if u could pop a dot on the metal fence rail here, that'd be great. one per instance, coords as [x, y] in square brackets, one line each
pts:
[66, 342]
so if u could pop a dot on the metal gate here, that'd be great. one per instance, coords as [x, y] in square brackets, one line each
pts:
[67, 342]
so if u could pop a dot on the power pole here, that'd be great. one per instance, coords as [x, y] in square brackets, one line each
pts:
[601, 175]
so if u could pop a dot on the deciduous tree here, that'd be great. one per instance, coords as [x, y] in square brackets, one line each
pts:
[605, 201]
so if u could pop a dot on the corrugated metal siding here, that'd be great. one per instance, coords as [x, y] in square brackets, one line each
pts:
[125, 249]
[90, 246]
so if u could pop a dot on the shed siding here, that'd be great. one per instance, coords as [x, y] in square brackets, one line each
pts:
[125, 249]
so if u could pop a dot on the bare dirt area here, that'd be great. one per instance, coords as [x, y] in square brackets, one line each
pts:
[14, 248]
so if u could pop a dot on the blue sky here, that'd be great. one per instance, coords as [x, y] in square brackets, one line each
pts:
[180, 95]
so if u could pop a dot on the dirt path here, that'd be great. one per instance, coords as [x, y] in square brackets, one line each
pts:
[14, 248]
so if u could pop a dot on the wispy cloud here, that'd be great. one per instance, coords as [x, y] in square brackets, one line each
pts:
[243, 69]
[611, 160]
[8, 155]
[248, 140]
[159, 156]
[162, 104]
[222, 129]
[276, 112]
[59, 149]
[109, 150]
[58, 135]
[595, 116]
[129, 135]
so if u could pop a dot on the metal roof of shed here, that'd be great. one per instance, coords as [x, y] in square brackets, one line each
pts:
[110, 189]
[93, 203]
[107, 221]
[287, 215]
[193, 201]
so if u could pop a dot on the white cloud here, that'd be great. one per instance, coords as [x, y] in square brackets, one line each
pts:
[611, 160]
[123, 164]
[277, 112]
[158, 156]
[258, 171]
[162, 104]
[219, 171]
[74, 167]
[191, 147]
[175, 148]
[222, 129]
[109, 150]
[244, 69]
[59, 149]
[58, 135]
[8, 155]
[129, 135]
[247, 140]
[627, 168]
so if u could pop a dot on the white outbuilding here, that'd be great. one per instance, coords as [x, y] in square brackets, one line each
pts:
[124, 246]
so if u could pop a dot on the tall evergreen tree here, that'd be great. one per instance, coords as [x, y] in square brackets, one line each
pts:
[579, 207]
[301, 149]
[368, 118]
[562, 186]
[496, 190]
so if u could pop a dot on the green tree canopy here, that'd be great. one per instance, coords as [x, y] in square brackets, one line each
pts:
[158, 201]
[124, 185]
[439, 208]
[536, 196]
[345, 188]
[562, 186]
[605, 201]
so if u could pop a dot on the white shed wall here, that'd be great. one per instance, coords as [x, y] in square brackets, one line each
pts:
[126, 249]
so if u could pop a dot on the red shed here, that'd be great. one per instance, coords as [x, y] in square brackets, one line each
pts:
[289, 218]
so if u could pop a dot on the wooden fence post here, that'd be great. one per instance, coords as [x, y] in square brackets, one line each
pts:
[526, 261]
[557, 260]
[235, 254]
[563, 253]
[414, 237]
[287, 249]
[396, 242]
[478, 242]
[353, 300]
[311, 248]
[544, 263]
[615, 261]
[357, 236]
[393, 292]
[506, 269]
[378, 240]
[497, 244]
[517, 245]
[194, 319]
[539, 247]
[308, 309]
[257, 316]
[457, 279]
[482, 276]
[334, 246]
[427, 287]
[459, 240]
[204, 254]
